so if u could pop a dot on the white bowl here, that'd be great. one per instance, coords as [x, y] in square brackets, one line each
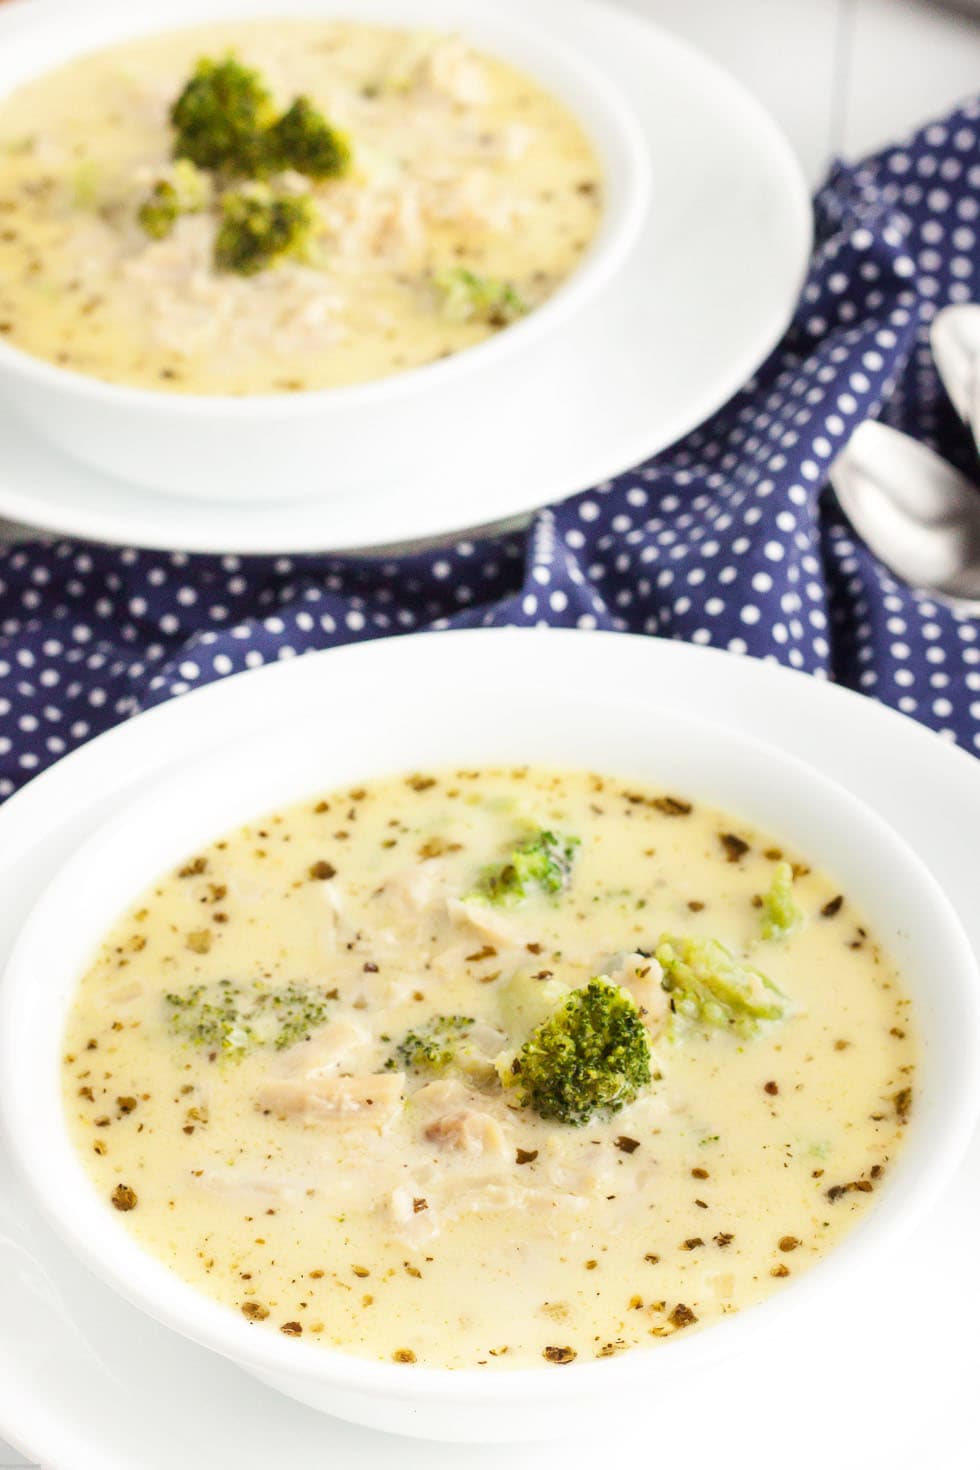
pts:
[487, 697]
[290, 446]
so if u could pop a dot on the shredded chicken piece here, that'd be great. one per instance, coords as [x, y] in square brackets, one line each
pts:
[263, 1187]
[488, 922]
[382, 225]
[412, 920]
[487, 1197]
[191, 308]
[123, 995]
[401, 1205]
[449, 1095]
[333, 898]
[413, 1214]
[444, 1093]
[415, 890]
[371, 1101]
[514, 140]
[449, 68]
[326, 1049]
[467, 1132]
[476, 202]
[442, 68]
[721, 1284]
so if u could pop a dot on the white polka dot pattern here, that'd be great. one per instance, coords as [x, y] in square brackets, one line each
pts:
[729, 538]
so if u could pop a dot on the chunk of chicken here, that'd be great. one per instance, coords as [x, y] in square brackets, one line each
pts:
[441, 1095]
[437, 67]
[514, 140]
[452, 70]
[490, 1197]
[414, 890]
[467, 1132]
[333, 898]
[326, 1049]
[282, 1189]
[191, 308]
[477, 202]
[448, 1095]
[371, 1101]
[505, 930]
[412, 1214]
[411, 916]
[381, 224]
[124, 995]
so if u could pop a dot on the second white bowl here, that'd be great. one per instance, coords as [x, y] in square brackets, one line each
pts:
[282, 447]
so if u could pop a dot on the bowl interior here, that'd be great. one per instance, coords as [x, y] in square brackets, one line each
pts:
[502, 713]
[32, 49]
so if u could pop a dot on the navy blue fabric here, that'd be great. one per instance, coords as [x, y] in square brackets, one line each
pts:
[730, 538]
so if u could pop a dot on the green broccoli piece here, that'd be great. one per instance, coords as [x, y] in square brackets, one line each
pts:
[708, 986]
[540, 864]
[302, 139]
[434, 1047]
[186, 190]
[232, 1020]
[293, 1014]
[465, 296]
[590, 1056]
[225, 121]
[220, 118]
[781, 914]
[159, 211]
[259, 228]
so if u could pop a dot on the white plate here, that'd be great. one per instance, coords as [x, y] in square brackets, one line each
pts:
[86, 1383]
[704, 296]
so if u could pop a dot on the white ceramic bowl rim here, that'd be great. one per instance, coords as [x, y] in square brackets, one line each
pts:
[632, 720]
[582, 87]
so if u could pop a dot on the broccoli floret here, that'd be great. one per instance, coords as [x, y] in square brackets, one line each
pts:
[540, 864]
[159, 211]
[465, 296]
[232, 1020]
[225, 120]
[220, 118]
[781, 914]
[292, 1013]
[708, 986]
[302, 139]
[432, 1048]
[590, 1056]
[186, 190]
[260, 228]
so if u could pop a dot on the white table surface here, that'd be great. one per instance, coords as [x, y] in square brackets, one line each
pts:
[839, 76]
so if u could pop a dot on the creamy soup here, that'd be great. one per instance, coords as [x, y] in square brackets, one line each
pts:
[490, 1068]
[464, 197]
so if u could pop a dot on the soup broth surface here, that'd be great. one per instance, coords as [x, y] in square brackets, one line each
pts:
[459, 161]
[256, 1078]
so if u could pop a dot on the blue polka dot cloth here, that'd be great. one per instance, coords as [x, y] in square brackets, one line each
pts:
[730, 538]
